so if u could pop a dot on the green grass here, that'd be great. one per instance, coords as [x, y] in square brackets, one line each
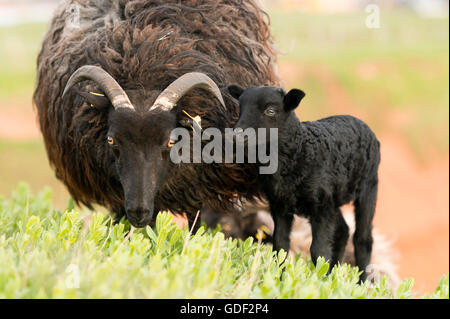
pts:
[19, 47]
[45, 253]
[27, 161]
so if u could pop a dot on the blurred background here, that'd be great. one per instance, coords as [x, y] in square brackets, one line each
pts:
[394, 75]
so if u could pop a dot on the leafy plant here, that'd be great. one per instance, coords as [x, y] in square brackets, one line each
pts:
[45, 253]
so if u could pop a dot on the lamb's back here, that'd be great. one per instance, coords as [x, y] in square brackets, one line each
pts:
[335, 157]
[339, 138]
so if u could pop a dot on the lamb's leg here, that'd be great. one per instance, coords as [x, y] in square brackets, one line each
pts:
[340, 237]
[323, 224]
[282, 231]
[362, 239]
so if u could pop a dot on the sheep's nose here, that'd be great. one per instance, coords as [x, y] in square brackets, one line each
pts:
[139, 217]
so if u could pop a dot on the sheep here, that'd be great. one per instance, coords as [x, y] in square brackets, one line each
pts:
[114, 81]
[322, 165]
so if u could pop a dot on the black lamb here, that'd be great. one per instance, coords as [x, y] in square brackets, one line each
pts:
[322, 165]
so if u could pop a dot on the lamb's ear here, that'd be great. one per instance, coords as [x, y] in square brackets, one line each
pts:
[235, 91]
[97, 100]
[292, 99]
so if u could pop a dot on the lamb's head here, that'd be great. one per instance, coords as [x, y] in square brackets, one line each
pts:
[139, 143]
[264, 106]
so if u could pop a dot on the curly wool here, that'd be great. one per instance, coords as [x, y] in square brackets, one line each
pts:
[333, 159]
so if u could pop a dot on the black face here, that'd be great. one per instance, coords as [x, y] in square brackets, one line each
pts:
[264, 106]
[140, 145]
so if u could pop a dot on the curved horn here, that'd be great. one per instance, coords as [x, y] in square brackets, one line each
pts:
[175, 91]
[106, 82]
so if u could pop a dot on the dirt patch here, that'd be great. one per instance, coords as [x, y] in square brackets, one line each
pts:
[413, 209]
[336, 97]
[18, 121]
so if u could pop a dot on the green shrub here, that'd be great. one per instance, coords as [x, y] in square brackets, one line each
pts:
[48, 254]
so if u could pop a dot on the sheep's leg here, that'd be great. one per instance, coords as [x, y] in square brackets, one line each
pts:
[282, 231]
[323, 224]
[362, 239]
[340, 237]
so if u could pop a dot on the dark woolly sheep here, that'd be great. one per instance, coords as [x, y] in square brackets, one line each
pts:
[322, 165]
[112, 148]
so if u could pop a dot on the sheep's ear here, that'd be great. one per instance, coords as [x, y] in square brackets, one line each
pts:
[292, 99]
[97, 100]
[235, 91]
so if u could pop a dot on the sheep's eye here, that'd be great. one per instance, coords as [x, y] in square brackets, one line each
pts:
[110, 140]
[173, 139]
[171, 143]
[270, 111]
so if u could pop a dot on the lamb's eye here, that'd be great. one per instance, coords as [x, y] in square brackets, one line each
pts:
[110, 140]
[270, 111]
